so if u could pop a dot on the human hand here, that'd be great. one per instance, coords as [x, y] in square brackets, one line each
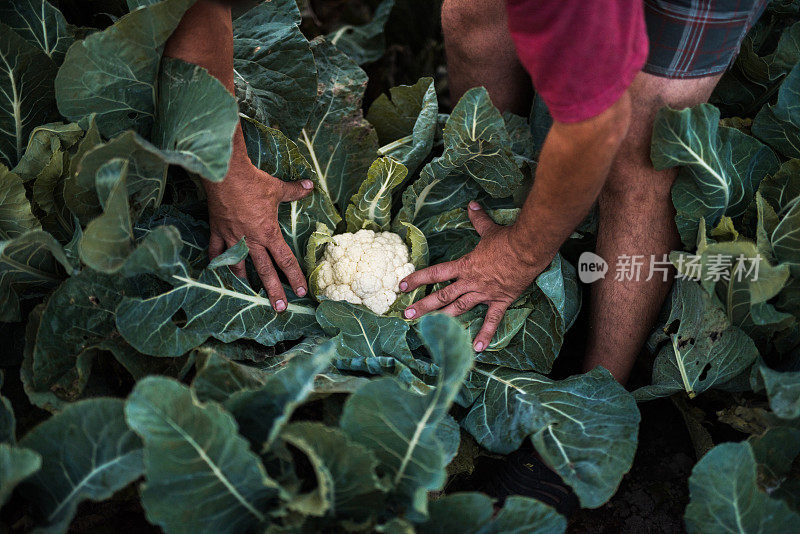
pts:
[245, 204]
[495, 273]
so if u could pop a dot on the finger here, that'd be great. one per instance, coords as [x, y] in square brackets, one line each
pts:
[269, 277]
[493, 317]
[436, 300]
[462, 304]
[286, 262]
[238, 269]
[291, 191]
[479, 218]
[216, 246]
[430, 275]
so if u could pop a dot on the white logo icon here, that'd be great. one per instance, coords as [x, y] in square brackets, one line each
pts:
[591, 267]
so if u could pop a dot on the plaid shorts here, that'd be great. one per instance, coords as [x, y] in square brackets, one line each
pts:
[694, 38]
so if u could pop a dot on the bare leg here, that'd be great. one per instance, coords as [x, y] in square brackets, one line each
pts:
[480, 52]
[636, 217]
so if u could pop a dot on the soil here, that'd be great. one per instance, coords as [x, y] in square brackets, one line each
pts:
[654, 494]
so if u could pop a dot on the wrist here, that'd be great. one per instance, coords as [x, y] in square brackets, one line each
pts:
[239, 176]
[526, 250]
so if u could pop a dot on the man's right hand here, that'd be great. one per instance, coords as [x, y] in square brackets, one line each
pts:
[245, 204]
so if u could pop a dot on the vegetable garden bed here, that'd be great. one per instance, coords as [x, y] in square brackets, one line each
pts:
[147, 387]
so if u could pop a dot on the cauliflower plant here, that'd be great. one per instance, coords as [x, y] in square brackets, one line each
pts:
[364, 268]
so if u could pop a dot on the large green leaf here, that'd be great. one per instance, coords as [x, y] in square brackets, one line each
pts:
[371, 206]
[361, 335]
[16, 217]
[401, 427]
[193, 233]
[48, 198]
[697, 345]
[41, 24]
[774, 451]
[16, 464]
[529, 337]
[474, 513]
[28, 262]
[364, 43]
[584, 427]
[26, 92]
[760, 66]
[223, 369]
[195, 117]
[262, 412]
[217, 304]
[519, 131]
[783, 390]
[406, 124]
[721, 167]
[347, 480]
[145, 181]
[44, 142]
[88, 452]
[106, 241]
[742, 278]
[193, 450]
[336, 140]
[476, 139]
[217, 377]
[785, 240]
[274, 68]
[439, 189]
[272, 151]
[782, 189]
[778, 125]
[726, 498]
[477, 156]
[8, 424]
[77, 325]
[113, 73]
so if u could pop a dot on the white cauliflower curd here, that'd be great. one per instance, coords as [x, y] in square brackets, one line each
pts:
[364, 268]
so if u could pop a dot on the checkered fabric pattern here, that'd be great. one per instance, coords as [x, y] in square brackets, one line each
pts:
[694, 38]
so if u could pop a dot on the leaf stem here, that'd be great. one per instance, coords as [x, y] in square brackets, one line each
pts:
[686, 385]
[387, 148]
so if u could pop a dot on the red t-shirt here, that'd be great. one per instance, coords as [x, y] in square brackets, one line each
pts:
[581, 54]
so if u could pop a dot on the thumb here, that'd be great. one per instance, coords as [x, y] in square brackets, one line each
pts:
[296, 190]
[479, 218]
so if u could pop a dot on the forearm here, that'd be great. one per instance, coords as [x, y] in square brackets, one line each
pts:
[205, 37]
[573, 166]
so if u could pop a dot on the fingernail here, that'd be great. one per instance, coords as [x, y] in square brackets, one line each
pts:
[300, 291]
[307, 184]
[479, 346]
[474, 206]
[280, 305]
[403, 286]
[409, 313]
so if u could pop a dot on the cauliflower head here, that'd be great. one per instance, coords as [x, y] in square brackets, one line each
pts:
[364, 268]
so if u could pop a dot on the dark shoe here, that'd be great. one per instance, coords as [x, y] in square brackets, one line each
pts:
[523, 473]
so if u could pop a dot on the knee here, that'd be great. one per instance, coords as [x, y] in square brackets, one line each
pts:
[466, 24]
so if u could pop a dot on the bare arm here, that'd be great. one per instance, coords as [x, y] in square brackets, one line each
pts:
[245, 203]
[572, 169]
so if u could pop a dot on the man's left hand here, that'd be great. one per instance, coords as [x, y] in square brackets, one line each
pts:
[495, 273]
